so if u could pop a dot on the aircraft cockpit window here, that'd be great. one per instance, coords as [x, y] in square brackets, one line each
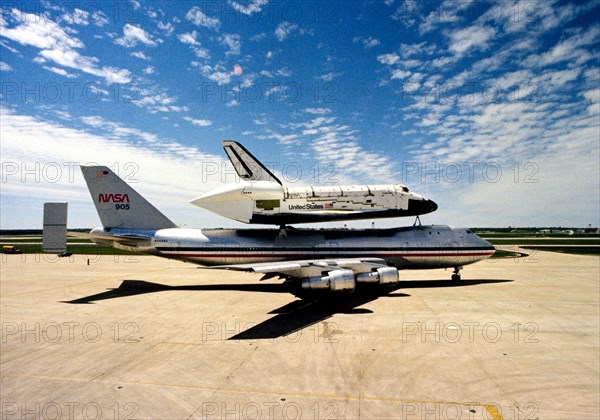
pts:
[405, 189]
[468, 231]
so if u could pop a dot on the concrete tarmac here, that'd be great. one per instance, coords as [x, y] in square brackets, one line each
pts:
[144, 337]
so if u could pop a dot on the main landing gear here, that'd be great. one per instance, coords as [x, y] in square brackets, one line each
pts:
[456, 274]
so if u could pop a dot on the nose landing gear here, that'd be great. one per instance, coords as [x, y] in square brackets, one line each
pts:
[456, 274]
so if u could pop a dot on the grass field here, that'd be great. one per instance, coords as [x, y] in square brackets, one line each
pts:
[580, 243]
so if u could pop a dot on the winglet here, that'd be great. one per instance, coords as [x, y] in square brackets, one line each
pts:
[246, 165]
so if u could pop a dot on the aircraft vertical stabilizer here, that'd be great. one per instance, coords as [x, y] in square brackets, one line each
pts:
[54, 238]
[119, 205]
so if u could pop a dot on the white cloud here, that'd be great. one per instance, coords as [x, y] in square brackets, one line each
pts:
[369, 42]
[167, 28]
[318, 122]
[132, 35]
[284, 72]
[232, 41]
[72, 59]
[554, 139]
[188, 38]
[254, 6]
[198, 18]
[7, 46]
[95, 89]
[449, 11]
[328, 77]
[4, 66]
[201, 52]
[285, 139]
[57, 46]
[593, 95]
[140, 55]
[149, 70]
[59, 71]
[285, 29]
[389, 59]
[40, 33]
[474, 37]
[217, 74]
[337, 146]
[155, 100]
[400, 74]
[84, 18]
[99, 18]
[317, 111]
[569, 49]
[30, 141]
[77, 17]
[258, 37]
[198, 122]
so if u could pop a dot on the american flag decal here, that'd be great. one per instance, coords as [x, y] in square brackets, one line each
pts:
[328, 205]
[101, 174]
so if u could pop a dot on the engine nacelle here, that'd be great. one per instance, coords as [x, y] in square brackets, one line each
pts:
[336, 281]
[383, 275]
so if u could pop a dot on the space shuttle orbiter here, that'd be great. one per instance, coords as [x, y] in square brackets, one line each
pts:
[260, 197]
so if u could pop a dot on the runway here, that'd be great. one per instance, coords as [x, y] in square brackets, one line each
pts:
[143, 337]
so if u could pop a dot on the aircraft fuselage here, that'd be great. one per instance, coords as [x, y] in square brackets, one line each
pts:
[418, 247]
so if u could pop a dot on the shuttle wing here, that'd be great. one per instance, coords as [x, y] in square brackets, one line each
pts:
[246, 165]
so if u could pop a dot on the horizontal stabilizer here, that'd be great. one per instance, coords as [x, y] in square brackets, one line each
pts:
[131, 240]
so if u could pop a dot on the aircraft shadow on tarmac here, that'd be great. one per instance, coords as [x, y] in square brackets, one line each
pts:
[293, 316]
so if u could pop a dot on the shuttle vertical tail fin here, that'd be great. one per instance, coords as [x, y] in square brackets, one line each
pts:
[246, 165]
[119, 205]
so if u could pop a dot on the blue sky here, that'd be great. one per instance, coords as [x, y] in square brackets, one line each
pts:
[491, 109]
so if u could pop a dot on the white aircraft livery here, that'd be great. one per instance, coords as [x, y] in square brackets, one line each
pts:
[260, 197]
[327, 260]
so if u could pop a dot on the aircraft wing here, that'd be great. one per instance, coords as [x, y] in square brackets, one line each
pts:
[307, 268]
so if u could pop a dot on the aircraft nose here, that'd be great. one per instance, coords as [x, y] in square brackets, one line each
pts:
[487, 244]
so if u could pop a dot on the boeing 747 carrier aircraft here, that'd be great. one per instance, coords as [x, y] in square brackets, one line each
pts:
[326, 260]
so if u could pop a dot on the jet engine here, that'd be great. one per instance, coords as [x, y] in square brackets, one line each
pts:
[344, 280]
[336, 281]
[382, 275]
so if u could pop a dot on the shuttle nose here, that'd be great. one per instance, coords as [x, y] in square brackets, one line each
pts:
[432, 205]
[421, 206]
